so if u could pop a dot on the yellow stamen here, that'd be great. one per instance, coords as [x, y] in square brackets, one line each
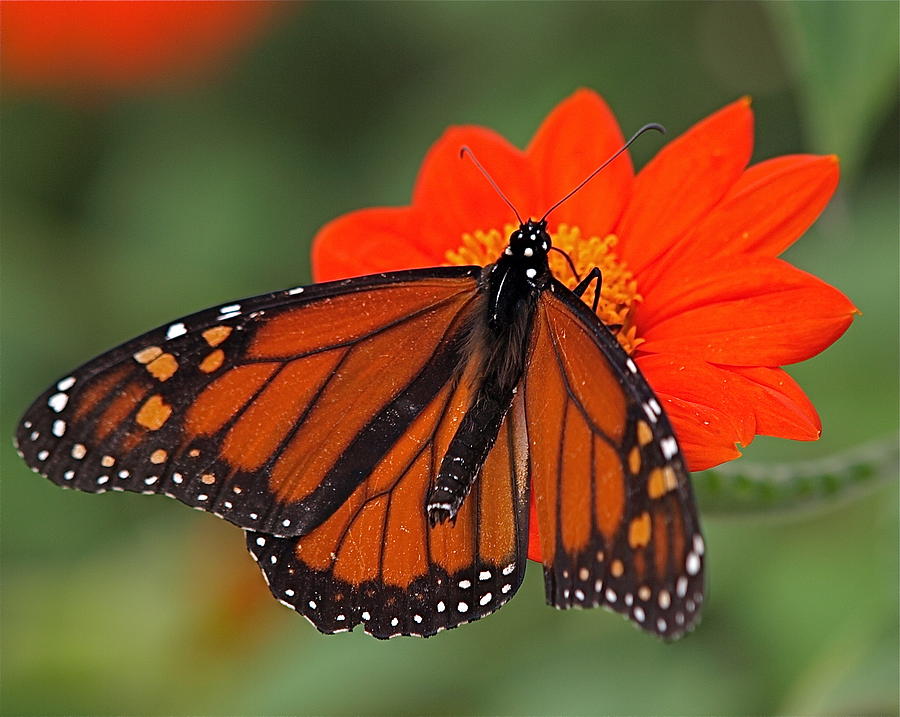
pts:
[618, 296]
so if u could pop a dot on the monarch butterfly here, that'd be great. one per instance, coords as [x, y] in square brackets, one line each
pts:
[380, 440]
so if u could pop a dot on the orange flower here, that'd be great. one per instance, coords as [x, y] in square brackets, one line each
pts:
[91, 46]
[688, 248]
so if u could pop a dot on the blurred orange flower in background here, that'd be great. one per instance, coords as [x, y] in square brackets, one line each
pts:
[688, 248]
[92, 47]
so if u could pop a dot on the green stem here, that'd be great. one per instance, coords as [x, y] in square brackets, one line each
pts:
[748, 487]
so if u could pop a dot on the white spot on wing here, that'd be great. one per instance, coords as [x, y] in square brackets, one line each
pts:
[66, 384]
[669, 447]
[176, 330]
[58, 401]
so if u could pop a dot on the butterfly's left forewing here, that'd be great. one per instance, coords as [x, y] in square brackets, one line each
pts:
[618, 524]
[268, 411]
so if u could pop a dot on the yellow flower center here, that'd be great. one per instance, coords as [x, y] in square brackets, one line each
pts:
[618, 296]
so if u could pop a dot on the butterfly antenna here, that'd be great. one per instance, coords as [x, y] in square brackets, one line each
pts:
[647, 127]
[464, 150]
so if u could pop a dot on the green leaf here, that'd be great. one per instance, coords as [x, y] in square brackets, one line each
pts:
[844, 56]
[748, 487]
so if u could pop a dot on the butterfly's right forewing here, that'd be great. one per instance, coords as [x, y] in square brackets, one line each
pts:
[616, 513]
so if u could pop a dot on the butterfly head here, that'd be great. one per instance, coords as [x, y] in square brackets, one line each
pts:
[530, 241]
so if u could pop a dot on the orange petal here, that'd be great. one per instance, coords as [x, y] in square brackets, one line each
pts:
[714, 281]
[701, 384]
[683, 182]
[781, 407]
[576, 138]
[369, 241]
[453, 197]
[705, 435]
[781, 321]
[769, 207]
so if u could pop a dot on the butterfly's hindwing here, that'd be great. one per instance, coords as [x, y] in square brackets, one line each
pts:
[614, 501]
[378, 562]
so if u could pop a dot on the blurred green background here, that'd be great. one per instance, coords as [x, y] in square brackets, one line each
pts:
[123, 209]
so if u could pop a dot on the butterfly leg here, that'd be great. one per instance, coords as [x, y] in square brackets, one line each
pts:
[586, 282]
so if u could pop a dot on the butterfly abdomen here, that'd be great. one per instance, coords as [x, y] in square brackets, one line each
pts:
[496, 357]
